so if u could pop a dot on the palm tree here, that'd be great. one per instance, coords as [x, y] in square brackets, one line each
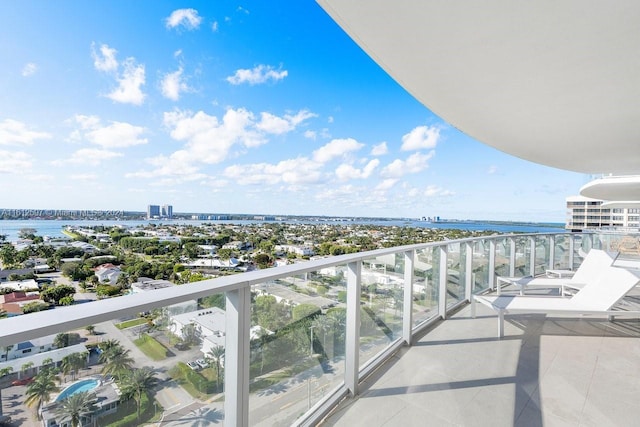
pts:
[73, 363]
[107, 346]
[76, 407]
[140, 382]
[40, 389]
[116, 361]
[216, 354]
[24, 368]
[3, 372]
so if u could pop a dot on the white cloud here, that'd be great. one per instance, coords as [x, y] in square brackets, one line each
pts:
[380, 149]
[14, 162]
[129, 83]
[177, 167]
[257, 75]
[270, 123]
[187, 18]
[435, 191]
[292, 171]
[117, 134]
[173, 84]
[386, 184]
[336, 148]
[330, 119]
[114, 135]
[87, 122]
[29, 69]
[208, 139]
[345, 172]
[415, 163]
[492, 169]
[89, 156]
[214, 26]
[421, 137]
[105, 60]
[13, 132]
[310, 134]
[84, 177]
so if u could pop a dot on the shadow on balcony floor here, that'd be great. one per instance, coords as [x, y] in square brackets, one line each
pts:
[558, 371]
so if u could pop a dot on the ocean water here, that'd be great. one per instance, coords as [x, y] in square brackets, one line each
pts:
[53, 228]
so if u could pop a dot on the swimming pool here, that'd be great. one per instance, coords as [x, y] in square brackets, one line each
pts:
[77, 387]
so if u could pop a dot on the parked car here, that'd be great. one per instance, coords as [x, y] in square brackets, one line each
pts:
[193, 365]
[202, 363]
[22, 381]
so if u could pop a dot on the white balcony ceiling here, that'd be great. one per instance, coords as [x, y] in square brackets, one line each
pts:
[556, 83]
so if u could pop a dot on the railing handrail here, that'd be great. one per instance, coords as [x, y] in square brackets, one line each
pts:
[20, 328]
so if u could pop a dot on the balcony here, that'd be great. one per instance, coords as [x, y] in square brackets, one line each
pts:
[294, 354]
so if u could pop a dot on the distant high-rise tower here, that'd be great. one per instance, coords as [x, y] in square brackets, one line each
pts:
[167, 211]
[153, 211]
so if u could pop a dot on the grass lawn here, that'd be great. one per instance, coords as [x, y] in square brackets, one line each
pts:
[131, 323]
[151, 347]
[180, 374]
[127, 414]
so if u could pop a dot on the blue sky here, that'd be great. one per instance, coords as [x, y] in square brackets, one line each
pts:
[219, 106]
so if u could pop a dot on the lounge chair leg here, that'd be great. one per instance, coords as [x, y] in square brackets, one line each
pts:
[500, 324]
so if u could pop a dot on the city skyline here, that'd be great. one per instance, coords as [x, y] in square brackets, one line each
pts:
[235, 107]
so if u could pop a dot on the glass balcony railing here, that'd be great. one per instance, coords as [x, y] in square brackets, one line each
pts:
[271, 347]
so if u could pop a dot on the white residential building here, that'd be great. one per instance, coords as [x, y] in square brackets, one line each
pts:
[586, 213]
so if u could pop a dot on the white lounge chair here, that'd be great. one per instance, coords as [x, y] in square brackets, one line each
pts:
[597, 297]
[594, 262]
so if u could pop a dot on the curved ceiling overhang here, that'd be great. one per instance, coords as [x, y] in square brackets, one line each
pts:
[621, 204]
[613, 188]
[556, 83]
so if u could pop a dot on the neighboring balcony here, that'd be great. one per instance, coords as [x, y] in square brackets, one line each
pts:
[284, 346]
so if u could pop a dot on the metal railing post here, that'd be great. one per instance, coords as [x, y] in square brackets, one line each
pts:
[492, 263]
[407, 312]
[572, 248]
[532, 255]
[442, 285]
[468, 280]
[512, 257]
[352, 341]
[552, 252]
[237, 352]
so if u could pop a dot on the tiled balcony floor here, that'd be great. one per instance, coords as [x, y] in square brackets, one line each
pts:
[557, 371]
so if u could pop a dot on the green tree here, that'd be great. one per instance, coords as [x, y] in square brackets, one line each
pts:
[24, 368]
[27, 233]
[77, 408]
[40, 389]
[66, 339]
[34, 306]
[140, 382]
[91, 330]
[117, 361]
[302, 311]
[72, 363]
[190, 334]
[8, 255]
[216, 355]
[263, 260]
